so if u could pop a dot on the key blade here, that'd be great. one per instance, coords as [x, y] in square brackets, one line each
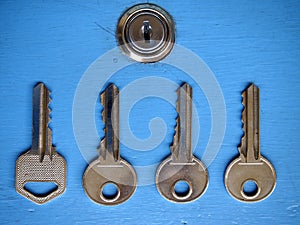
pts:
[250, 147]
[41, 133]
[109, 150]
[182, 143]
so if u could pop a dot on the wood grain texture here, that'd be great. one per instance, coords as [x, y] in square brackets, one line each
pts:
[241, 41]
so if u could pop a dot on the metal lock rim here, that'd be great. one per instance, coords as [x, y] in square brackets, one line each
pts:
[134, 48]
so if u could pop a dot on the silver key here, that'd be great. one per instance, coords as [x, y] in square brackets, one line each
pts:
[41, 163]
[182, 165]
[250, 166]
[110, 168]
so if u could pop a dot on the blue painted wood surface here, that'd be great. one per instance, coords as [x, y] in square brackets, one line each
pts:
[241, 41]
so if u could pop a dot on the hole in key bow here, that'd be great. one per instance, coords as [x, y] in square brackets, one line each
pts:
[182, 189]
[250, 188]
[40, 189]
[110, 192]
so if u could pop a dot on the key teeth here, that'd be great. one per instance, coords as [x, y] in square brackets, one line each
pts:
[103, 115]
[102, 97]
[243, 118]
[102, 101]
[176, 128]
[175, 136]
[52, 148]
[183, 86]
[49, 101]
[111, 89]
[41, 85]
[48, 98]
[101, 147]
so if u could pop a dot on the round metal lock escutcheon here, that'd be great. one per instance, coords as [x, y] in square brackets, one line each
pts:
[146, 33]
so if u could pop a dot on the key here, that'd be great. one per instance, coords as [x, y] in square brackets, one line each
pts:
[182, 165]
[250, 166]
[41, 163]
[109, 168]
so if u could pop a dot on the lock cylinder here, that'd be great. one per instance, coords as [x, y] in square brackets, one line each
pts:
[146, 33]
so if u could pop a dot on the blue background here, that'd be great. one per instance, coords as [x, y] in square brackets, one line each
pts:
[241, 41]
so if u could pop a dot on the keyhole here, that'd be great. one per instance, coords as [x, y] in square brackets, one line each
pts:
[147, 29]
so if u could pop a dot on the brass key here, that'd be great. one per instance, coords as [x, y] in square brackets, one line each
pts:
[110, 168]
[41, 163]
[182, 165]
[250, 166]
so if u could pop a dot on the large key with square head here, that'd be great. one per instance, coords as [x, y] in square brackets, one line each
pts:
[182, 166]
[109, 168]
[41, 163]
[250, 166]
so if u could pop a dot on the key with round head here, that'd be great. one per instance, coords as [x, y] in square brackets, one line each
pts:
[109, 168]
[250, 166]
[41, 163]
[182, 165]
